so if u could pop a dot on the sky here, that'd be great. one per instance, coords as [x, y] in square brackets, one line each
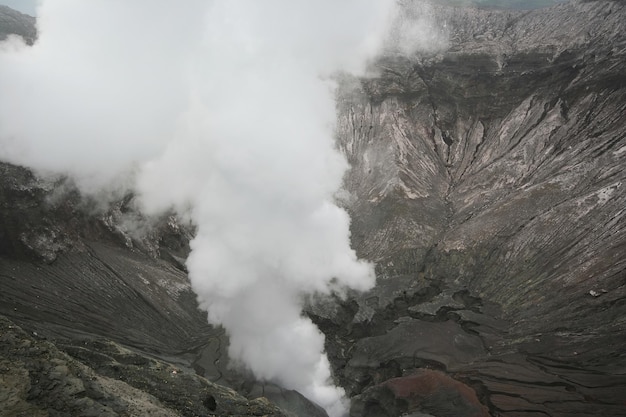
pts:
[29, 6]
[24, 6]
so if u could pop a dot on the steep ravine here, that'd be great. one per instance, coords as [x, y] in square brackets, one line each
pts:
[486, 182]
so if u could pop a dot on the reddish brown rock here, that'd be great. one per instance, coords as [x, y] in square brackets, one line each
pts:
[425, 391]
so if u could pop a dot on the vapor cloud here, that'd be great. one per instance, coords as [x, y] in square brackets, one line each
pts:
[255, 162]
[99, 90]
[224, 111]
[414, 29]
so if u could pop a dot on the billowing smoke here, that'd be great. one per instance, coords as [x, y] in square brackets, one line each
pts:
[224, 111]
[415, 29]
[255, 163]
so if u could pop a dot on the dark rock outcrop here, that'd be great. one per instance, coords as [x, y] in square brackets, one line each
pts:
[13, 22]
[425, 390]
[100, 378]
[70, 268]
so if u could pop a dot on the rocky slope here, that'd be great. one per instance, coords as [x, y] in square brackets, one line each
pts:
[13, 22]
[486, 183]
[101, 378]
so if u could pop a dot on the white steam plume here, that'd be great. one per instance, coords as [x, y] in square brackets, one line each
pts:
[255, 161]
[222, 110]
[415, 29]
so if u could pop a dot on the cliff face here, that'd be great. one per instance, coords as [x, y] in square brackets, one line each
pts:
[492, 173]
[487, 183]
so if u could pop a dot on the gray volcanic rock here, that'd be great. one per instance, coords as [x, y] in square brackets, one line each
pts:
[490, 176]
[13, 22]
[103, 379]
[68, 271]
